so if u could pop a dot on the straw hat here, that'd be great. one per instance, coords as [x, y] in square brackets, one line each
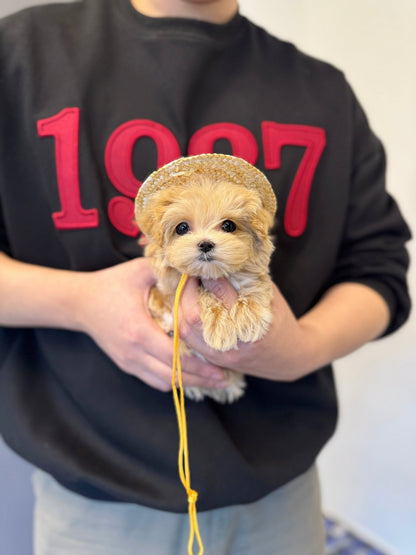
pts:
[217, 166]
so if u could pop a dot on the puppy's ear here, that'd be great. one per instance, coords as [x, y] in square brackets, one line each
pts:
[261, 223]
[145, 221]
[149, 219]
[149, 225]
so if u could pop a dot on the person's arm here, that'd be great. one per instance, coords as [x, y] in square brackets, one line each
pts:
[36, 296]
[366, 295]
[109, 305]
[348, 316]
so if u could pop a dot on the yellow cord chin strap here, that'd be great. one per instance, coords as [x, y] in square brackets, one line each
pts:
[179, 400]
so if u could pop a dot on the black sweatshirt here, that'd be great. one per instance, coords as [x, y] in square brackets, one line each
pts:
[95, 96]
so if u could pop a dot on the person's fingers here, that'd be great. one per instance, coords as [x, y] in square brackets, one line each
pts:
[153, 363]
[159, 375]
[222, 289]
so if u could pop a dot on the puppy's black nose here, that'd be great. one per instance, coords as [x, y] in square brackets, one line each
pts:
[206, 246]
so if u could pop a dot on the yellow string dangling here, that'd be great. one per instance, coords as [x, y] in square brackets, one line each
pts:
[179, 400]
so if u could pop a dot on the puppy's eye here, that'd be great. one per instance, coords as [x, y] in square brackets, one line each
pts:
[228, 226]
[182, 228]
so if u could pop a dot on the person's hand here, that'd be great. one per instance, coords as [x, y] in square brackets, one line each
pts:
[345, 318]
[279, 355]
[113, 311]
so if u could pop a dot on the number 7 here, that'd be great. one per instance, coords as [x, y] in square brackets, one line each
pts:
[277, 135]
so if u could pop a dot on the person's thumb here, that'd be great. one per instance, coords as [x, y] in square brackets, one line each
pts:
[222, 289]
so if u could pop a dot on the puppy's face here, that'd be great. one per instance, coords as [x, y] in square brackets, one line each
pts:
[207, 229]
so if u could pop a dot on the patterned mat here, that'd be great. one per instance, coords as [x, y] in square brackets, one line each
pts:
[342, 541]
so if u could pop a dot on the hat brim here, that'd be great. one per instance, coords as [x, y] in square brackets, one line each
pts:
[221, 167]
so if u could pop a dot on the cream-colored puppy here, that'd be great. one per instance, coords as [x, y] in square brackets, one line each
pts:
[211, 223]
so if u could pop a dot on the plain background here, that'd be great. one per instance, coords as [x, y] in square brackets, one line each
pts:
[368, 470]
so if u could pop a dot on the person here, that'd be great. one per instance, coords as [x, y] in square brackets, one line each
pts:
[95, 95]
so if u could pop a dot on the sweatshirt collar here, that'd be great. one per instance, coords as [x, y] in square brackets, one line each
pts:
[181, 27]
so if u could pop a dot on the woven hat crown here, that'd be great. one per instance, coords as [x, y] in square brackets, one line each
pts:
[220, 167]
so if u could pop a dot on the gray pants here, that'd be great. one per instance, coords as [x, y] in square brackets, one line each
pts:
[286, 522]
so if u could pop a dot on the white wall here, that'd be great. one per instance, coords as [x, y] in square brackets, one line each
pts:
[368, 470]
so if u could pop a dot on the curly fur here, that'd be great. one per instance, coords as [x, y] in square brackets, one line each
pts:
[242, 256]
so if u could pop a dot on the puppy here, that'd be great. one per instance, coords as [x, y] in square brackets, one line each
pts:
[211, 223]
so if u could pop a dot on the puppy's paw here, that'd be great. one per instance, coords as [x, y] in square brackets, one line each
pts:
[195, 393]
[218, 329]
[220, 336]
[234, 390]
[251, 319]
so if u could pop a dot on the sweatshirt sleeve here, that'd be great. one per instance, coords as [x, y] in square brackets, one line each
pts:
[5, 142]
[373, 250]
[4, 246]
[3, 237]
